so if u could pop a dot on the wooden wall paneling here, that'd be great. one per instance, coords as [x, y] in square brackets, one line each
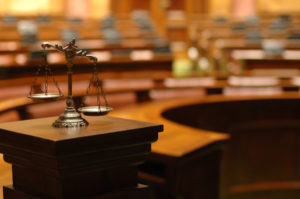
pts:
[158, 14]
[121, 8]
[100, 8]
[196, 7]
[220, 8]
[141, 5]
[278, 6]
[176, 5]
[176, 21]
[31, 7]
[177, 33]
[241, 10]
[78, 9]
[195, 11]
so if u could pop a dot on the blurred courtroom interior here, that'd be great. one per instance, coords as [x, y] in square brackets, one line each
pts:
[222, 76]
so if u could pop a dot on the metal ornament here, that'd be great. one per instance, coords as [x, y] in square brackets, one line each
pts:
[70, 117]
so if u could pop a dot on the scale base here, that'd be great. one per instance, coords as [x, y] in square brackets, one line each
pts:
[70, 118]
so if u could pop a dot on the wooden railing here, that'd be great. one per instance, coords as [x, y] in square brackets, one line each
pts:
[259, 161]
[131, 89]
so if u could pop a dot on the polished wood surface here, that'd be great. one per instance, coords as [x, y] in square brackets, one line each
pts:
[172, 142]
[137, 90]
[260, 159]
[176, 151]
[97, 161]
[180, 141]
[181, 154]
[42, 130]
[5, 175]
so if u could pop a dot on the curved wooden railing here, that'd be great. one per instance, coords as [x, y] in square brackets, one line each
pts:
[13, 91]
[260, 160]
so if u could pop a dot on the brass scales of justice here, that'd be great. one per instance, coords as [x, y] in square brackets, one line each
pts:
[71, 117]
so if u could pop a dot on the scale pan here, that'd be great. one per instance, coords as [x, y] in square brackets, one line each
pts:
[45, 96]
[94, 110]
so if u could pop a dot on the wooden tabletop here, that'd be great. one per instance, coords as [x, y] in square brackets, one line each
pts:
[177, 139]
[39, 135]
[37, 141]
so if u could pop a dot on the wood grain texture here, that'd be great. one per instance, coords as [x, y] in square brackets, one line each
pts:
[95, 161]
[260, 160]
[173, 142]
[5, 174]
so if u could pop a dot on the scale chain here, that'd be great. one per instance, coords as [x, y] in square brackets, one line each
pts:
[49, 71]
[98, 85]
[46, 71]
[101, 87]
[87, 90]
[46, 81]
[35, 79]
[55, 82]
[97, 90]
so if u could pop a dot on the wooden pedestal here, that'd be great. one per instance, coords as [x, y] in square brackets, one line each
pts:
[94, 162]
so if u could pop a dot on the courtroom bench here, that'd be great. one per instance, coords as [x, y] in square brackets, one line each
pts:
[90, 44]
[122, 74]
[127, 91]
[114, 65]
[87, 29]
[242, 56]
[261, 62]
[259, 161]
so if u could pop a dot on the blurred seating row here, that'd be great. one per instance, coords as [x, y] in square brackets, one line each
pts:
[131, 56]
[227, 47]
[128, 91]
[139, 71]
[110, 28]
